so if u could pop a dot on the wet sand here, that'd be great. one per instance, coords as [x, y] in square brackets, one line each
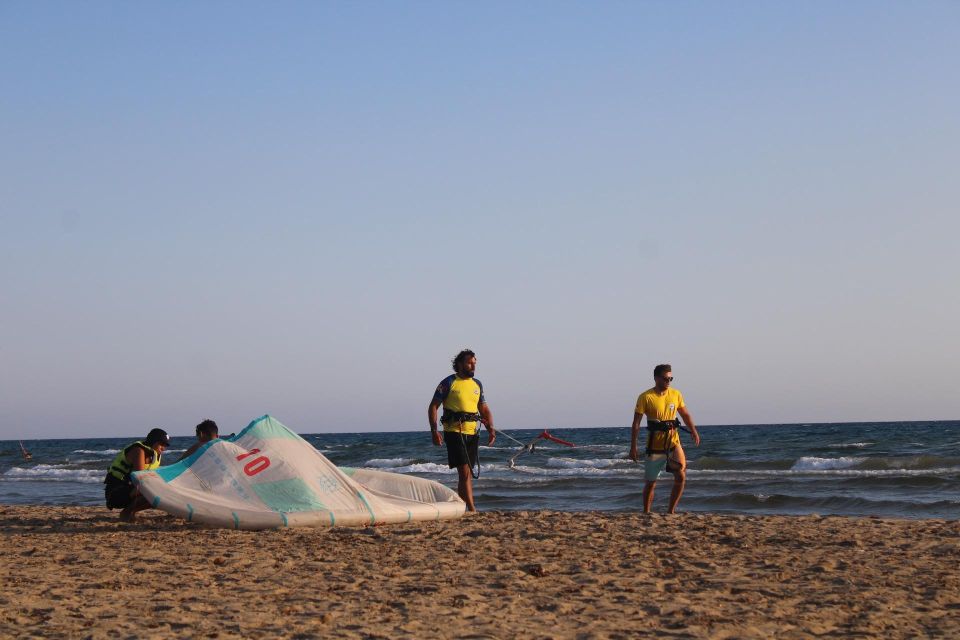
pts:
[77, 572]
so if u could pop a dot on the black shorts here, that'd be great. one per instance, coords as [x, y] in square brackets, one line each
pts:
[117, 493]
[461, 449]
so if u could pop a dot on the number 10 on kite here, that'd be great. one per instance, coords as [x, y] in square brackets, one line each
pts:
[256, 465]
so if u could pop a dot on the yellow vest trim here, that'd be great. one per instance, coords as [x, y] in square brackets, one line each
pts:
[121, 469]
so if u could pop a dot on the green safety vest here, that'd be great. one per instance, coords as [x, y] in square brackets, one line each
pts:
[121, 469]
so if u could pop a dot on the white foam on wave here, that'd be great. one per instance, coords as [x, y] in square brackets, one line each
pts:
[603, 447]
[422, 467]
[571, 463]
[851, 445]
[113, 452]
[432, 467]
[53, 473]
[579, 471]
[385, 463]
[812, 463]
[864, 473]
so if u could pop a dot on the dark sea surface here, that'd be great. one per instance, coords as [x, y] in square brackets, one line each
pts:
[898, 469]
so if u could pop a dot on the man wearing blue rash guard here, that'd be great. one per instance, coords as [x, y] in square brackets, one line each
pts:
[464, 409]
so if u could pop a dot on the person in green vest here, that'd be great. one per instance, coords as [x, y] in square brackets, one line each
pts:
[119, 489]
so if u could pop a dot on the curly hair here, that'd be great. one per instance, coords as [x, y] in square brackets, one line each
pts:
[461, 357]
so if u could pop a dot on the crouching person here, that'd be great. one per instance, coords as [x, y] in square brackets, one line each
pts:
[142, 455]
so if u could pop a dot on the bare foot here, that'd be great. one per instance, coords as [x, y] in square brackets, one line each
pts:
[128, 516]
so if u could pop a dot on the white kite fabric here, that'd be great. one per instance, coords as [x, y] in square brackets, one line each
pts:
[268, 477]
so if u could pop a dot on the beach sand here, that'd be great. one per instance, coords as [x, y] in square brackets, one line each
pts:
[77, 572]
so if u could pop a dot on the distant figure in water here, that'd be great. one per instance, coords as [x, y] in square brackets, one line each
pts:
[206, 431]
[661, 404]
[464, 409]
[23, 451]
[139, 456]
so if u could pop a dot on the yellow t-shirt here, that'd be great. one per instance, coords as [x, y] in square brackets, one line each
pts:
[661, 407]
[461, 395]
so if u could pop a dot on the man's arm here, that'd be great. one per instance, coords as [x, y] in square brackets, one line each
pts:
[138, 462]
[193, 447]
[634, 432]
[432, 419]
[688, 420]
[486, 417]
[137, 459]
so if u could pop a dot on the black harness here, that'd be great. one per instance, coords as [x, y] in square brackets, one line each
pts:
[666, 427]
[458, 417]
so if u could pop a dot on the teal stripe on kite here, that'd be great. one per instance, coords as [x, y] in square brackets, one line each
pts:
[188, 461]
[290, 495]
[333, 519]
[156, 501]
[267, 428]
[373, 517]
[236, 520]
[189, 513]
[171, 472]
[250, 426]
[284, 516]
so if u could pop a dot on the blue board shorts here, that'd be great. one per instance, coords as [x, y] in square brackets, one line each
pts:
[654, 464]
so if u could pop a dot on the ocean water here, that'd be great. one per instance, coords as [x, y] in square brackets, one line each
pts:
[892, 469]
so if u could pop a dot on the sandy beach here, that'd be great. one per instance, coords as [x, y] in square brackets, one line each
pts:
[77, 572]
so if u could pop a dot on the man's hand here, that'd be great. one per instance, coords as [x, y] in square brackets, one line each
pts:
[696, 437]
[491, 436]
[437, 438]
[634, 455]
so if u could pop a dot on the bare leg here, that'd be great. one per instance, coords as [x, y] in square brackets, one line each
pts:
[465, 486]
[678, 467]
[648, 496]
[129, 513]
[679, 481]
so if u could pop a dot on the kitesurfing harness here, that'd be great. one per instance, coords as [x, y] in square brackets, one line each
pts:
[450, 418]
[458, 417]
[667, 428]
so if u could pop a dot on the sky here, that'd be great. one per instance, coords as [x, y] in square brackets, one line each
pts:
[227, 209]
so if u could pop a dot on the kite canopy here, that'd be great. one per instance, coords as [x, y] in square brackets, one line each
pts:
[267, 477]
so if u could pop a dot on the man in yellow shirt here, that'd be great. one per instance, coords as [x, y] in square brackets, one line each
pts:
[464, 408]
[661, 404]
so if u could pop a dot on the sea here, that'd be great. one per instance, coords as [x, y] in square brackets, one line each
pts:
[885, 469]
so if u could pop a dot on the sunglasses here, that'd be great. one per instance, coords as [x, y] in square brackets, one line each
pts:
[667, 378]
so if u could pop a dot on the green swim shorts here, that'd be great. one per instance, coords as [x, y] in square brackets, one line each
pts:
[653, 465]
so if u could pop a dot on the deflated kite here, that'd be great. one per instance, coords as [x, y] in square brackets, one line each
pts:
[267, 477]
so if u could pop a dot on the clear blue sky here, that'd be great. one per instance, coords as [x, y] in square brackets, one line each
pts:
[226, 209]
